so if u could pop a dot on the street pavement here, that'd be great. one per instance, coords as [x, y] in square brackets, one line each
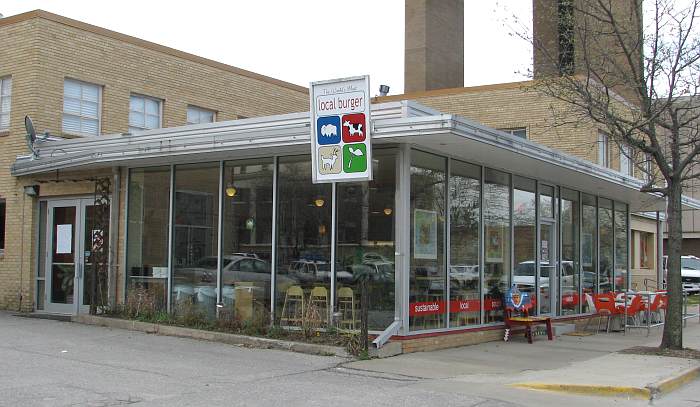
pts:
[51, 363]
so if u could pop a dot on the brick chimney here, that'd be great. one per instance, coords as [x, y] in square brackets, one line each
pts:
[434, 50]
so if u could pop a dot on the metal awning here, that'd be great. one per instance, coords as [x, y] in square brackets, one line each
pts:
[393, 122]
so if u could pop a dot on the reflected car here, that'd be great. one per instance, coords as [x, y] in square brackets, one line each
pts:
[379, 271]
[310, 272]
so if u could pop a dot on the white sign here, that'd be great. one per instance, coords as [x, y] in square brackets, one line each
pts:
[64, 239]
[341, 147]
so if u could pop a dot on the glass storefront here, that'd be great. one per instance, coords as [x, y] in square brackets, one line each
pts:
[365, 245]
[148, 218]
[303, 280]
[195, 238]
[427, 279]
[569, 280]
[246, 239]
[255, 238]
[524, 238]
[465, 214]
[497, 200]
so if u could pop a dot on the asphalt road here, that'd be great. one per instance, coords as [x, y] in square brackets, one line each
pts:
[50, 363]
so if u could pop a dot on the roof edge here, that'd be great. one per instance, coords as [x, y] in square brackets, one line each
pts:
[453, 91]
[17, 18]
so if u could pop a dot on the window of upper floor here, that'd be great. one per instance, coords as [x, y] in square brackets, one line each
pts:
[517, 132]
[626, 164]
[603, 149]
[5, 102]
[81, 108]
[145, 113]
[196, 115]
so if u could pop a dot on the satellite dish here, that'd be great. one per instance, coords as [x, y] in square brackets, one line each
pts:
[31, 135]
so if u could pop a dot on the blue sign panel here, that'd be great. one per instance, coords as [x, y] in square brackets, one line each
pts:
[328, 130]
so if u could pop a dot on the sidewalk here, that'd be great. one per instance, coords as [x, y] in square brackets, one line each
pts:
[575, 364]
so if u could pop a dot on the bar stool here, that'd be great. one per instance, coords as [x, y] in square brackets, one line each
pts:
[346, 308]
[293, 307]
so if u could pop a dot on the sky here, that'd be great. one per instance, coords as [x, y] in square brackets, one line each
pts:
[305, 41]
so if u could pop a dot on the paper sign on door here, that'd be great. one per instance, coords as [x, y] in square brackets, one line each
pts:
[64, 239]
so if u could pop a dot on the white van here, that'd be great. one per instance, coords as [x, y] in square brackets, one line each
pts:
[690, 273]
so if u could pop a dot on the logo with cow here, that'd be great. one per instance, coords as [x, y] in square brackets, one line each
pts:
[354, 128]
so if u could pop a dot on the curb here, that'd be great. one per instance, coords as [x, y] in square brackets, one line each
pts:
[222, 337]
[648, 392]
[666, 386]
[590, 389]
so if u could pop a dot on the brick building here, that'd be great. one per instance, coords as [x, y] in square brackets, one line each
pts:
[77, 80]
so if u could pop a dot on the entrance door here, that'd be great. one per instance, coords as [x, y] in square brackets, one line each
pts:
[69, 255]
[546, 281]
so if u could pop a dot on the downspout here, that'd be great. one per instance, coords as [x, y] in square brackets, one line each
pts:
[113, 234]
[390, 331]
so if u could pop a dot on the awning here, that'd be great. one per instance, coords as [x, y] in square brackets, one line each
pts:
[393, 122]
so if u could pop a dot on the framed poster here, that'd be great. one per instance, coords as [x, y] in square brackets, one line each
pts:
[494, 244]
[587, 250]
[424, 234]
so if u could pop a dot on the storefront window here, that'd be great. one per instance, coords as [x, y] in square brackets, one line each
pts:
[465, 208]
[147, 236]
[195, 239]
[569, 277]
[365, 245]
[548, 249]
[303, 270]
[524, 205]
[427, 272]
[589, 248]
[620, 246]
[497, 243]
[247, 238]
[605, 224]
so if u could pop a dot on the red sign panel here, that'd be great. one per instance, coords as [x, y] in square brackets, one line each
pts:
[354, 127]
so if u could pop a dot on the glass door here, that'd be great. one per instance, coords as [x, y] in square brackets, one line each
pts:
[62, 260]
[548, 266]
[69, 255]
[91, 234]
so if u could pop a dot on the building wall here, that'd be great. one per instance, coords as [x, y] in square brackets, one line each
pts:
[41, 50]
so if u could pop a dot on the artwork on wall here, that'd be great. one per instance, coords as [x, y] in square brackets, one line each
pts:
[425, 234]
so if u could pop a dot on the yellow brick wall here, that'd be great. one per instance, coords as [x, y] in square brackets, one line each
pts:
[41, 50]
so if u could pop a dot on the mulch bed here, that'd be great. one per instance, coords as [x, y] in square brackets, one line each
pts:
[685, 353]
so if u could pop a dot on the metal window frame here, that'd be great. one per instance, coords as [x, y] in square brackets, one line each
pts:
[273, 256]
[219, 239]
[403, 237]
[171, 232]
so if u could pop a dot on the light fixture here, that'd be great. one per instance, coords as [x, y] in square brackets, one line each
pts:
[383, 90]
[319, 202]
[322, 229]
[388, 211]
[250, 223]
[231, 190]
[31, 190]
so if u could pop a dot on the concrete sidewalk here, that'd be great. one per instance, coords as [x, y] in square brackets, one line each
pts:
[577, 364]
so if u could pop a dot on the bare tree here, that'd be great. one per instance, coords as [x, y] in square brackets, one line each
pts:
[636, 79]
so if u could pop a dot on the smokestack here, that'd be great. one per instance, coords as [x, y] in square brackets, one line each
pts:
[434, 53]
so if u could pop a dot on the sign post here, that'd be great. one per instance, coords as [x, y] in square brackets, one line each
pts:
[340, 136]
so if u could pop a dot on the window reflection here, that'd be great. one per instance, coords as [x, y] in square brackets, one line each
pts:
[465, 207]
[247, 238]
[427, 270]
[620, 246]
[147, 237]
[497, 242]
[524, 207]
[589, 249]
[195, 239]
[569, 277]
[605, 224]
[303, 245]
[365, 246]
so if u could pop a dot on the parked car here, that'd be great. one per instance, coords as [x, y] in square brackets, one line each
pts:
[690, 273]
[311, 272]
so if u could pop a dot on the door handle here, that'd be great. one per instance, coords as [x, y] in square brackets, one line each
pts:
[80, 271]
